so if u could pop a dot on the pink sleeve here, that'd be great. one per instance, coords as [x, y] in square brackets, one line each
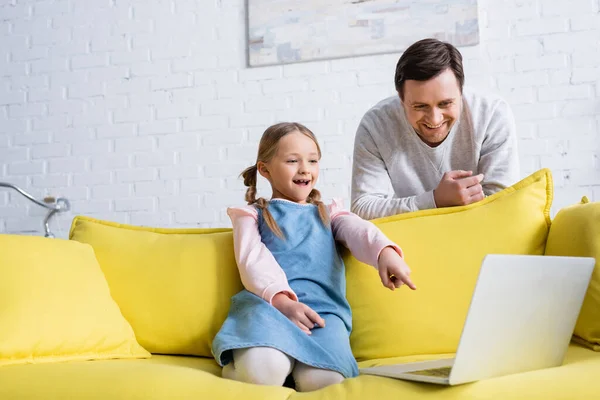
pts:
[364, 240]
[259, 271]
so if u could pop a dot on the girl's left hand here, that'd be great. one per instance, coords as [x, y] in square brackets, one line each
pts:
[393, 270]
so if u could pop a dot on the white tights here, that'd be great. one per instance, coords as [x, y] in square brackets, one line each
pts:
[269, 366]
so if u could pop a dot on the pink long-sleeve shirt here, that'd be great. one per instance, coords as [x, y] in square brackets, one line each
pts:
[263, 276]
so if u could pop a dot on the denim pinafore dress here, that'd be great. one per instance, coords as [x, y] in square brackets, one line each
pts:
[315, 272]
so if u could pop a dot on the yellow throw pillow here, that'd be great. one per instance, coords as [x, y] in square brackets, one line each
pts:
[444, 248]
[55, 305]
[174, 286]
[575, 231]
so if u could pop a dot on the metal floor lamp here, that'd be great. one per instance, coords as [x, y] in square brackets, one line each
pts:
[53, 204]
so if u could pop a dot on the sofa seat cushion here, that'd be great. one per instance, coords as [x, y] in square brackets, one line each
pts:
[577, 378]
[173, 377]
[160, 377]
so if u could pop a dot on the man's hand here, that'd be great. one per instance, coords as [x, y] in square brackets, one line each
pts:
[458, 188]
[299, 313]
[393, 270]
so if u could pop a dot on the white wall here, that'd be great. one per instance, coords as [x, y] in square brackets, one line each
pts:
[144, 112]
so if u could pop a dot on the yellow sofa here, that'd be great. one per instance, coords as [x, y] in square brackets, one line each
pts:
[172, 288]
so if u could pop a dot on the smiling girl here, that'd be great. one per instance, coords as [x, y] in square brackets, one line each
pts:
[293, 316]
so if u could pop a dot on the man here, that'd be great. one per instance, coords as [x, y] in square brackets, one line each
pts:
[435, 145]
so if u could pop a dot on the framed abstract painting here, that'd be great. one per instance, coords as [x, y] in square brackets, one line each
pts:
[289, 31]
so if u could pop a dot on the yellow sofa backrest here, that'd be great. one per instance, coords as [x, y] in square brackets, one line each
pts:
[173, 285]
[444, 248]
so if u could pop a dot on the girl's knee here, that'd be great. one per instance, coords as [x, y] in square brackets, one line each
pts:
[309, 378]
[259, 365]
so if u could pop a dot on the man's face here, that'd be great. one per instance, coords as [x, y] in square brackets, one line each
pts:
[432, 107]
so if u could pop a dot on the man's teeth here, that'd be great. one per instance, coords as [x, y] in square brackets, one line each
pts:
[434, 127]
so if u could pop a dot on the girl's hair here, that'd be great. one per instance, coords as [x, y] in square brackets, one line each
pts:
[267, 148]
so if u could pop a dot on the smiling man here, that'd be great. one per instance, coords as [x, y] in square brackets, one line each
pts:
[435, 145]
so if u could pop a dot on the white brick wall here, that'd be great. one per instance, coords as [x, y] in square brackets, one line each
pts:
[144, 112]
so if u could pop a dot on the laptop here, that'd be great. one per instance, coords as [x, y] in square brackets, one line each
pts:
[521, 318]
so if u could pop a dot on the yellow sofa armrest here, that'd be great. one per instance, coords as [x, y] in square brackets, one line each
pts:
[576, 232]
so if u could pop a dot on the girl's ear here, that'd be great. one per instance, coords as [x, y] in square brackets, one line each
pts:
[263, 170]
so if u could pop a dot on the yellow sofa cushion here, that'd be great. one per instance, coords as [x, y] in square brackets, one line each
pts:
[444, 248]
[575, 231]
[577, 378]
[173, 285]
[175, 377]
[161, 377]
[55, 305]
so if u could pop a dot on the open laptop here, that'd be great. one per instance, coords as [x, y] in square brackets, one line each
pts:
[521, 318]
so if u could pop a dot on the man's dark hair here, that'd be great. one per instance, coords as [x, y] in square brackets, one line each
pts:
[427, 59]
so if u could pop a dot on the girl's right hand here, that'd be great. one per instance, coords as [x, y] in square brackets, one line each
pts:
[299, 313]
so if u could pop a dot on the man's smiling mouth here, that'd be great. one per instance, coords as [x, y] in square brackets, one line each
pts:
[434, 126]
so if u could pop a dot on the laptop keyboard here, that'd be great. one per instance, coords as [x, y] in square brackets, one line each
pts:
[443, 372]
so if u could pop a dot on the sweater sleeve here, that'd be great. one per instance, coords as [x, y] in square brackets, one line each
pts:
[371, 182]
[499, 158]
[364, 240]
[259, 271]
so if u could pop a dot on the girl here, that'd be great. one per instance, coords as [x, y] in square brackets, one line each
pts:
[293, 316]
